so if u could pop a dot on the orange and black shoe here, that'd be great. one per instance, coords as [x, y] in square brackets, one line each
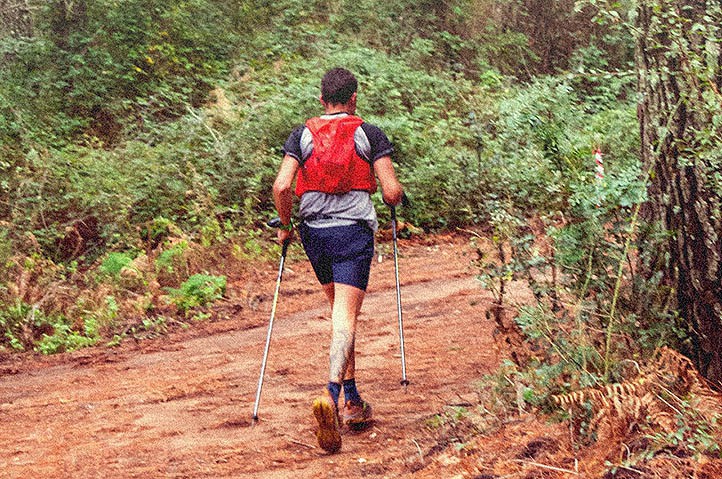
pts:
[357, 414]
[326, 413]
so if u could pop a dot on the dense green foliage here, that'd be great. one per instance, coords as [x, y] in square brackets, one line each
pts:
[116, 115]
[126, 128]
[95, 66]
[134, 134]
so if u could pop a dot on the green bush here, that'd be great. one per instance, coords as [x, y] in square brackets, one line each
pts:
[171, 258]
[198, 290]
[26, 327]
[13, 321]
[114, 263]
[63, 339]
[87, 68]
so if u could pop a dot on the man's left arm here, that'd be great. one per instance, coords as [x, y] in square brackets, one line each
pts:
[391, 189]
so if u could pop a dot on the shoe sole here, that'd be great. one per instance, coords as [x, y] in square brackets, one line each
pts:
[328, 435]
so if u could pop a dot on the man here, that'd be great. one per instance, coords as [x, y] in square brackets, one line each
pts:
[335, 159]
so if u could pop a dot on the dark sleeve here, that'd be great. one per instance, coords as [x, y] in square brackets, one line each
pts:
[292, 147]
[380, 144]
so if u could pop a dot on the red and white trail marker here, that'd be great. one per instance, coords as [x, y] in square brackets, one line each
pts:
[600, 164]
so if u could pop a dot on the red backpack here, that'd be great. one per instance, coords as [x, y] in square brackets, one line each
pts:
[334, 167]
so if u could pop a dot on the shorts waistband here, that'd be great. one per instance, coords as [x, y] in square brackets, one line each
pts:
[316, 217]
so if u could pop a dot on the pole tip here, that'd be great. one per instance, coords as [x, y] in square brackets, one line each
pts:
[255, 418]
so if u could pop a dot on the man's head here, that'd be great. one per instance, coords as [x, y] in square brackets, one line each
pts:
[338, 86]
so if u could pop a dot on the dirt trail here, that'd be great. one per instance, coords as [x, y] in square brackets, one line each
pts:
[180, 406]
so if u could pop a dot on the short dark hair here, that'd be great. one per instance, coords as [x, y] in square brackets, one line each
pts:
[337, 86]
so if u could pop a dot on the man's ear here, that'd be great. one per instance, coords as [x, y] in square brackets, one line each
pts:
[320, 98]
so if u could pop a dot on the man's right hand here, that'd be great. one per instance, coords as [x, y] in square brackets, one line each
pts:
[284, 236]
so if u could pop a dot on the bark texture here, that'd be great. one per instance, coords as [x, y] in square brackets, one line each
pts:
[15, 19]
[680, 74]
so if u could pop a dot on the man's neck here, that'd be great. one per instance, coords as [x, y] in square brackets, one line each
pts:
[336, 109]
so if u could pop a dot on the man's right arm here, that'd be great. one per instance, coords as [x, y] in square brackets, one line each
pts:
[283, 193]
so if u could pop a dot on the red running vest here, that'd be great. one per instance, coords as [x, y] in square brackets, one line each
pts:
[334, 167]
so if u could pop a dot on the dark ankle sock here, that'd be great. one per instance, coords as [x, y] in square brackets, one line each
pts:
[335, 390]
[350, 392]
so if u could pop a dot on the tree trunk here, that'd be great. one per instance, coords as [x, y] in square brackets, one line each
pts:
[15, 19]
[67, 17]
[680, 73]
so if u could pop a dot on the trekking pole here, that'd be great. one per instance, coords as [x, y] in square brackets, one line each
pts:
[404, 381]
[272, 223]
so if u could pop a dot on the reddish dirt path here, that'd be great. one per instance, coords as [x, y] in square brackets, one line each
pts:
[180, 406]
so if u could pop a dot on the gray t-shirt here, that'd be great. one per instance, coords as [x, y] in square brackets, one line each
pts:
[321, 210]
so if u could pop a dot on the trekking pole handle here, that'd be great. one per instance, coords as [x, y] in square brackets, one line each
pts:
[276, 223]
[405, 202]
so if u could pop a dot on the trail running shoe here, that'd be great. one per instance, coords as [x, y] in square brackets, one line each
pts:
[326, 413]
[357, 414]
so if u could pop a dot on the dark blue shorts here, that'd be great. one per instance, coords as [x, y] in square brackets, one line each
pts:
[340, 254]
